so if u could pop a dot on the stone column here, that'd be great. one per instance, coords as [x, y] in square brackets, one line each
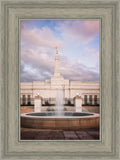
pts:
[37, 103]
[78, 103]
[93, 102]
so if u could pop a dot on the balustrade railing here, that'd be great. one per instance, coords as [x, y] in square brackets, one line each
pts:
[66, 102]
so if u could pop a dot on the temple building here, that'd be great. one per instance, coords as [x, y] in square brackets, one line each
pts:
[89, 91]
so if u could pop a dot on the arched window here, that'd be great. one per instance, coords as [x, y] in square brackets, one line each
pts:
[23, 100]
[29, 100]
[90, 99]
[95, 99]
[85, 99]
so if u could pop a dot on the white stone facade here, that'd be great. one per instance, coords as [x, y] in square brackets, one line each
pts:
[47, 89]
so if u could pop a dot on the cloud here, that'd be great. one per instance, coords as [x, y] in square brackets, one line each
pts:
[38, 51]
[79, 31]
[93, 56]
[78, 71]
[41, 66]
[43, 37]
[38, 57]
[30, 73]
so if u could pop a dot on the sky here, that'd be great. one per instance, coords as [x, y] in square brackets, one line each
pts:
[78, 49]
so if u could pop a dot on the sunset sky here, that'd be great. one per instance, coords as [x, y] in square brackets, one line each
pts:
[78, 48]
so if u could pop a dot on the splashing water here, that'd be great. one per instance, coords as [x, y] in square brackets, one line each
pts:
[84, 109]
[59, 103]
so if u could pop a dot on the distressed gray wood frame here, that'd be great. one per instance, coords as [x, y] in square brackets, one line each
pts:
[107, 11]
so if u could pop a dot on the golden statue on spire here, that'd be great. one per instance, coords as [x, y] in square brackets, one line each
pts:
[56, 50]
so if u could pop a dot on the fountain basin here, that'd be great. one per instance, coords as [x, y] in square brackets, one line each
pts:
[70, 121]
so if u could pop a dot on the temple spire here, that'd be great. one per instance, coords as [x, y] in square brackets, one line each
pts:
[57, 71]
[56, 50]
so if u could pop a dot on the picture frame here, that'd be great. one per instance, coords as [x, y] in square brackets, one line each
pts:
[108, 14]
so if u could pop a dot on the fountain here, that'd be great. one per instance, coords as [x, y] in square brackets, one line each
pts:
[84, 109]
[59, 103]
[59, 119]
[70, 121]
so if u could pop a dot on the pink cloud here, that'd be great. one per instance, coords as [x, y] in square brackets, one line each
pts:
[38, 55]
[38, 64]
[83, 31]
[88, 49]
[91, 27]
[43, 37]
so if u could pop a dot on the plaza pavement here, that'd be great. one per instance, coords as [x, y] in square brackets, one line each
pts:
[41, 134]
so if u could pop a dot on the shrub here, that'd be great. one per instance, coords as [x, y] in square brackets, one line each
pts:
[50, 109]
[65, 109]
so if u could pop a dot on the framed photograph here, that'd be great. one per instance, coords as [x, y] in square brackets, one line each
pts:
[60, 79]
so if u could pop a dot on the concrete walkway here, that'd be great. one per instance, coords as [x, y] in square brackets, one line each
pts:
[39, 134]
